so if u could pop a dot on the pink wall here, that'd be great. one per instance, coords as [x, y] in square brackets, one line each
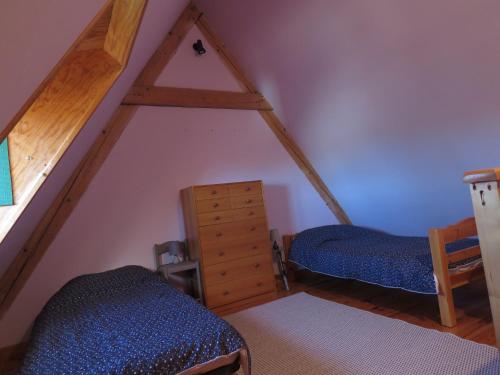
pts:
[31, 42]
[392, 100]
[133, 202]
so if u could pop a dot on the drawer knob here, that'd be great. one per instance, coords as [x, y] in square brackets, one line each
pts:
[249, 201]
[216, 205]
[223, 273]
[217, 218]
[248, 188]
[218, 234]
[255, 247]
[251, 213]
[221, 254]
[259, 284]
[225, 293]
[252, 229]
[214, 192]
[256, 265]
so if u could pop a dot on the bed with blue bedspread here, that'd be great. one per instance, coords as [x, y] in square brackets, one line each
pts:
[127, 321]
[371, 256]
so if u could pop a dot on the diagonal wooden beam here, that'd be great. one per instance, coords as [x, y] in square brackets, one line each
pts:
[163, 54]
[195, 98]
[276, 126]
[27, 259]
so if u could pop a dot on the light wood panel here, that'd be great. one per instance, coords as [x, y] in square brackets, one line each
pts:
[195, 98]
[47, 129]
[98, 23]
[62, 107]
[276, 126]
[485, 195]
[122, 30]
[96, 36]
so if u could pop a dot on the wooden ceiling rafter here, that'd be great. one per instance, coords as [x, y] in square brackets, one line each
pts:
[195, 98]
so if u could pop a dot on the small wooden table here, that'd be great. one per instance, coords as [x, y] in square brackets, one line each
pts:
[485, 192]
[191, 265]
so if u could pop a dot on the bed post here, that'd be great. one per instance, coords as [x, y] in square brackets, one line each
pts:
[287, 245]
[440, 264]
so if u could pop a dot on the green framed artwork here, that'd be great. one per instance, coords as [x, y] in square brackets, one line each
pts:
[6, 198]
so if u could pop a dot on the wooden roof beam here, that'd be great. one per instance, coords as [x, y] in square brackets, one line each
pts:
[195, 98]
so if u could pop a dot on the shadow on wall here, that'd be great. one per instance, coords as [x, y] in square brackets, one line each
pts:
[277, 200]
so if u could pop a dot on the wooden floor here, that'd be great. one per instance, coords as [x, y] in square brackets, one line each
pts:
[474, 317]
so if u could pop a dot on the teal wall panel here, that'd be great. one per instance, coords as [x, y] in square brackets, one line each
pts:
[5, 179]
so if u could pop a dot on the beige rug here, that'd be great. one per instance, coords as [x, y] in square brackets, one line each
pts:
[302, 334]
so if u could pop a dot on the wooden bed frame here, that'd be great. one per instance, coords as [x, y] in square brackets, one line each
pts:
[11, 359]
[438, 238]
[241, 355]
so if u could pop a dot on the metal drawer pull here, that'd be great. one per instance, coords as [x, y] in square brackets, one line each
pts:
[225, 293]
[223, 273]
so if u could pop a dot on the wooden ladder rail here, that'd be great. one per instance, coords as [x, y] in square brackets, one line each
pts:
[438, 239]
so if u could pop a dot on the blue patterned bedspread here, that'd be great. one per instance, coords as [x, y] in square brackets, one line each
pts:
[125, 321]
[371, 256]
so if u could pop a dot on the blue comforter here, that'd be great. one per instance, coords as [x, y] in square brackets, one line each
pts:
[371, 256]
[125, 321]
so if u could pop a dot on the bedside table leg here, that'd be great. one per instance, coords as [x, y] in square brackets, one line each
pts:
[198, 281]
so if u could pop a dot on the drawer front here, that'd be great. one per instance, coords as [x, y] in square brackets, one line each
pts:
[222, 294]
[238, 269]
[212, 218]
[239, 214]
[246, 188]
[216, 235]
[213, 205]
[211, 192]
[220, 254]
[246, 201]
[249, 213]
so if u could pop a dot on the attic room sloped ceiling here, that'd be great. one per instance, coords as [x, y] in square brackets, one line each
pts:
[391, 100]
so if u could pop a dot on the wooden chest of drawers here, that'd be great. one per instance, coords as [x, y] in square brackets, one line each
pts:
[226, 228]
